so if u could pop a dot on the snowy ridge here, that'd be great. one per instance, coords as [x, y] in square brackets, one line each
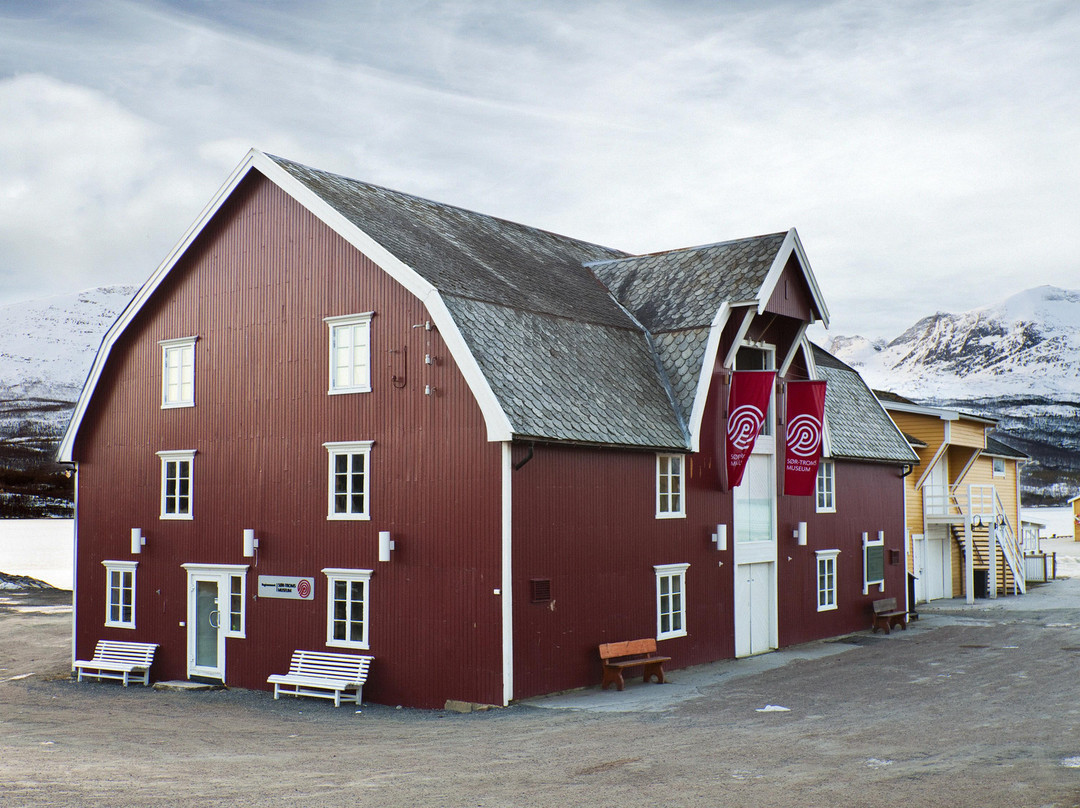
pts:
[1027, 345]
[50, 343]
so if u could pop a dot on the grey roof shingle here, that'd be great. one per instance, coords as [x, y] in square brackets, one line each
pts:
[859, 428]
[999, 449]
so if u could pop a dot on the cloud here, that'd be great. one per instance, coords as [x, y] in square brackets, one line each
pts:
[916, 146]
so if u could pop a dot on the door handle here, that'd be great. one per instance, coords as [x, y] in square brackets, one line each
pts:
[214, 615]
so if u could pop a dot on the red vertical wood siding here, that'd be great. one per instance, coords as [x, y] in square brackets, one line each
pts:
[254, 289]
[869, 498]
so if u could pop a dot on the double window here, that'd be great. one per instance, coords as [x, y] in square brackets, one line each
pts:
[670, 486]
[350, 353]
[349, 479]
[176, 481]
[178, 372]
[826, 486]
[826, 579]
[347, 607]
[670, 600]
[120, 593]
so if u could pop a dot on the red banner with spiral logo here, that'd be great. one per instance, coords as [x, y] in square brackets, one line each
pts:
[805, 416]
[748, 404]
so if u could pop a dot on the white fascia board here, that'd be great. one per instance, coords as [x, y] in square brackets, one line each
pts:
[792, 244]
[498, 424]
[64, 452]
[918, 409]
[796, 344]
[708, 362]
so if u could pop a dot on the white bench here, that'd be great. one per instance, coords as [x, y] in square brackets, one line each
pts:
[116, 659]
[313, 673]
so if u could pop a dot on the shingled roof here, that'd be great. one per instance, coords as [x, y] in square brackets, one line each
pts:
[559, 339]
[859, 429]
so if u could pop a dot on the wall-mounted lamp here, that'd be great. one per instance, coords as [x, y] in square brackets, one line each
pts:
[250, 542]
[137, 540]
[386, 544]
[719, 538]
[800, 534]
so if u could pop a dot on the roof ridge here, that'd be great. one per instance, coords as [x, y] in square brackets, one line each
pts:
[677, 250]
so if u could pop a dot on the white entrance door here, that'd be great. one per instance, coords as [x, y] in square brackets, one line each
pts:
[755, 557]
[209, 616]
[918, 565]
[937, 563]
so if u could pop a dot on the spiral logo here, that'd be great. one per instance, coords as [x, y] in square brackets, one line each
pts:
[303, 589]
[804, 435]
[743, 427]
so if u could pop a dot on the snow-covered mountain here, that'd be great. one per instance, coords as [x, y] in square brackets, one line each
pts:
[48, 344]
[1027, 345]
[1017, 361]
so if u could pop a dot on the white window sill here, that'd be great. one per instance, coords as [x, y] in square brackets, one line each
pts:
[671, 635]
[119, 625]
[348, 517]
[670, 515]
[176, 517]
[832, 608]
[359, 646]
[173, 405]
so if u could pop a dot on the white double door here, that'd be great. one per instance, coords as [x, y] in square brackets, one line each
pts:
[755, 557]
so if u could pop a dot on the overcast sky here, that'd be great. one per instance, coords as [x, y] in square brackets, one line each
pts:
[927, 152]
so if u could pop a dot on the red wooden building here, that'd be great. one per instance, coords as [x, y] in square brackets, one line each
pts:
[322, 366]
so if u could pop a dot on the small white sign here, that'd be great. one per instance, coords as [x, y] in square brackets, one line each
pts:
[286, 586]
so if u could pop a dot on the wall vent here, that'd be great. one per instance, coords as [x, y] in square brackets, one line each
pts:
[540, 590]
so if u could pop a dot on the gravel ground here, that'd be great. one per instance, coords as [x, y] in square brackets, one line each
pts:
[972, 706]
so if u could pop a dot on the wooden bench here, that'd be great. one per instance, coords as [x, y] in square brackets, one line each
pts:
[324, 676]
[618, 656]
[117, 659]
[886, 615]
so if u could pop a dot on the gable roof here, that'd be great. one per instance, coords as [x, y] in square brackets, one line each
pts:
[547, 330]
[858, 426]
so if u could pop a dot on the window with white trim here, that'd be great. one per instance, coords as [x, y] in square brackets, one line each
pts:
[178, 372]
[670, 485]
[237, 612]
[347, 607]
[826, 486]
[350, 353]
[670, 600]
[120, 593]
[999, 466]
[348, 479]
[826, 579]
[177, 471]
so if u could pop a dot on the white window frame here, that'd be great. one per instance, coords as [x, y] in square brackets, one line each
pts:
[670, 504]
[334, 576]
[242, 611]
[119, 568]
[828, 558]
[671, 573]
[175, 349]
[336, 449]
[359, 372]
[994, 461]
[878, 542]
[177, 457]
[825, 487]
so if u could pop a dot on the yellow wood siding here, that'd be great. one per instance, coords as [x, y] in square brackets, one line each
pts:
[1076, 520]
[927, 428]
[967, 433]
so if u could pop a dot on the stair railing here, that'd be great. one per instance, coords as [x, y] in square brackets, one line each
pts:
[1010, 543]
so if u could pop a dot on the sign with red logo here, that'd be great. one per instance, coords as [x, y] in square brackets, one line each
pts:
[805, 416]
[748, 403]
[289, 587]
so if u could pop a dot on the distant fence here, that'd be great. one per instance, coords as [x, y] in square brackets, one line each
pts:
[1040, 567]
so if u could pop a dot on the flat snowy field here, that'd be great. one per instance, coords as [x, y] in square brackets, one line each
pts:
[41, 548]
[44, 548]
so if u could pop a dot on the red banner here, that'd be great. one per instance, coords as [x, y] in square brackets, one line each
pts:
[805, 416]
[748, 404]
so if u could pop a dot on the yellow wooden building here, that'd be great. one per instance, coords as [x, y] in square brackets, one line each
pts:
[964, 492]
[1075, 503]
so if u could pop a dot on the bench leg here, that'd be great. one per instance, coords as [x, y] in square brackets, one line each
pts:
[655, 669]
[612, 676]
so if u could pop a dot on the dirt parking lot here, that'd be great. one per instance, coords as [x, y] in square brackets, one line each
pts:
[970, 707]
